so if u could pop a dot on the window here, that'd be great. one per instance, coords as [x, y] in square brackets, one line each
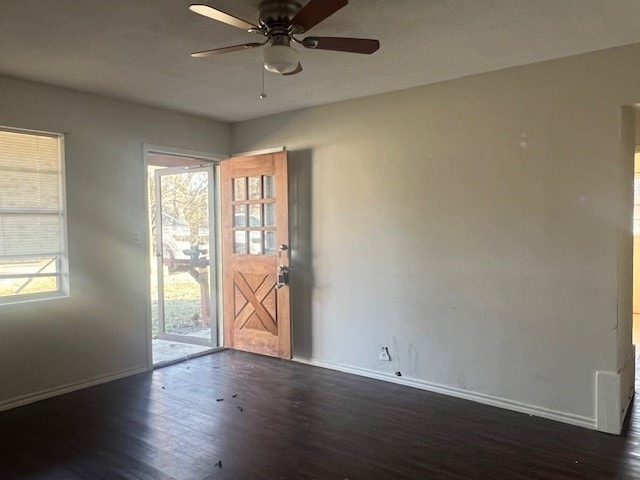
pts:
[33, 260]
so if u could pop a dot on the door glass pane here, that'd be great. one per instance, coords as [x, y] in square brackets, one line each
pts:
[240, 216]
[240, 189]
[269, 214]
[269, 243]
[184, 222]
[255, 188]
[255, 242]
[240, 242]
[255, 215]
[269, 186]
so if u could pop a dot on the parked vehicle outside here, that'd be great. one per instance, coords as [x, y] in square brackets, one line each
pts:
[182, 251]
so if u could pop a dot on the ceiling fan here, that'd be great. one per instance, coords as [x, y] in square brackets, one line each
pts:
[280, 21]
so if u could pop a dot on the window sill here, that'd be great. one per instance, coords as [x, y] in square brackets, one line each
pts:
[30, 298]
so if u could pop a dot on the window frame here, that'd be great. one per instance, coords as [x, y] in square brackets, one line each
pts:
[62, 273]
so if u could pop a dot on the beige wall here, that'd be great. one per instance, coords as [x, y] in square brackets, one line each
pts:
[478, 228]
[101, 329]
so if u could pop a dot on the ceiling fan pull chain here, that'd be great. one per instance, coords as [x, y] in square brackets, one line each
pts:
[263, 95]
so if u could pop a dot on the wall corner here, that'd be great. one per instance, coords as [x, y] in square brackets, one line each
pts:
[614, 393]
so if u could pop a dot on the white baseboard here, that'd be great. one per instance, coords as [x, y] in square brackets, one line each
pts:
[614, 394]
[71, 387]
[564, 417]
[628, 376]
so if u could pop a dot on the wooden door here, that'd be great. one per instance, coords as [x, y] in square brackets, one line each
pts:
[255, 254]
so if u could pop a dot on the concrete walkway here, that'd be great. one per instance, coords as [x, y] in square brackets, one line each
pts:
[165, 351]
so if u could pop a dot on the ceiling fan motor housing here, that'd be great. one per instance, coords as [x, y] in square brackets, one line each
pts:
[277, 14]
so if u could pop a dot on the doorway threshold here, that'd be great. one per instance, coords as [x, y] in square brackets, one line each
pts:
[167, 352]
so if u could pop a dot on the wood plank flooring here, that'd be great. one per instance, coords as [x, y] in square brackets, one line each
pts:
[292, 421]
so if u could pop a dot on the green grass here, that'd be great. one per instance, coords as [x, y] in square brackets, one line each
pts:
[181, 316]
[37, 285]
[182, 308]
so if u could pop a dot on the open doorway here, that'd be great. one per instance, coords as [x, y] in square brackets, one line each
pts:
[183, 260]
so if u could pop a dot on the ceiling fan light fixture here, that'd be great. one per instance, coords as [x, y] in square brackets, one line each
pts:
[280, 59]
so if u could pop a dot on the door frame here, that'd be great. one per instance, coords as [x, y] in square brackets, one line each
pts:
[214, 158]
[253, 153]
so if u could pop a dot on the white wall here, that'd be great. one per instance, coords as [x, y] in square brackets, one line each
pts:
[475, 227]
[101, 329]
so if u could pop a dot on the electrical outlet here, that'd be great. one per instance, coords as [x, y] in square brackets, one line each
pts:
[384, 355]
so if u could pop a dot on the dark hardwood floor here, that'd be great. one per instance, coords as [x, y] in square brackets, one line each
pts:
[291, 421]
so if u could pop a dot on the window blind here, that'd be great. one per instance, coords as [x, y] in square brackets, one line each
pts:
[31, 207]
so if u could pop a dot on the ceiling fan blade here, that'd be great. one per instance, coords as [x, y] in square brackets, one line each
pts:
[341, 44]
[296, 71]
[220, 51]
[315, 12]
[220, 16]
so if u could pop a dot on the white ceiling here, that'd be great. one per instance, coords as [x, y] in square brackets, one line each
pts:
[139, 49]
